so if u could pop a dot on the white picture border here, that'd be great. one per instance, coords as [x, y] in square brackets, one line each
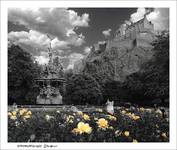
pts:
[4, 14]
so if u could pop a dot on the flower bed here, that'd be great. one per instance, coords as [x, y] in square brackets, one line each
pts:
[62, 125]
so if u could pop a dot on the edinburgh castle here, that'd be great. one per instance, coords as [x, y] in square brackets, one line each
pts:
[118, 57]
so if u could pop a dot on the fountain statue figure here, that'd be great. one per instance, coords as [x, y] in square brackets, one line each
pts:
[51, 82]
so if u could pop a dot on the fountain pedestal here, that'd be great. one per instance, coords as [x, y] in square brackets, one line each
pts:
[51, 82]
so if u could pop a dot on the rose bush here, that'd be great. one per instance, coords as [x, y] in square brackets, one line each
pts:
[63, 125]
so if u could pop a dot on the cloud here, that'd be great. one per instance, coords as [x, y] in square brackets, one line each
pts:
[32, 41]
[107, 32]
[87, 50]
[139, 14]
[58, 23]
[73, 58]
[41, 59]
[76, 20]
[101, 42]
[55, 43]
[36, 42]
[158, 16]
[76, 40]
[54, 21]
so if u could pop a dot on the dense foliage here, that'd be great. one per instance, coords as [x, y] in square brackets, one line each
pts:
[116, 91]
[147, 86]
[82, 89]
[21, 73]
[132, 124]
[152, 81]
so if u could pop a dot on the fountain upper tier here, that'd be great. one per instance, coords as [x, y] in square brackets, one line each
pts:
[51, 82]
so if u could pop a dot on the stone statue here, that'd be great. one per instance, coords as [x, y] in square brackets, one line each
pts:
[51, 81]
[110, 107]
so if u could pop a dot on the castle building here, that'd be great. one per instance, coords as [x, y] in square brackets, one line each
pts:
[140, 33]
[142, 26]
[124, 54]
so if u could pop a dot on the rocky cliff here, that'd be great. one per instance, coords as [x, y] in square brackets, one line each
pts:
[114, 62]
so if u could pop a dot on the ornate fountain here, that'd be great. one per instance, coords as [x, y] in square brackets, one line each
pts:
[51, 82]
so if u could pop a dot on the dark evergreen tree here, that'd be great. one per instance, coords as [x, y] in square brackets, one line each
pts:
[21, 73]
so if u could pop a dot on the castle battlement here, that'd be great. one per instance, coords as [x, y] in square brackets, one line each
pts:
[138, 34]
[133, 30]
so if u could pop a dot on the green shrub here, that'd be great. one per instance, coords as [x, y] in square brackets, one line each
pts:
[83, 89]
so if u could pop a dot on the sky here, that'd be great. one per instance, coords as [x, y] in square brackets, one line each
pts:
[72, 31]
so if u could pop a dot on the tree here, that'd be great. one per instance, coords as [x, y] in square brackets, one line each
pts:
[21, 73]
[156, 71]
[83, 89]
[116, 91]
[152, 81]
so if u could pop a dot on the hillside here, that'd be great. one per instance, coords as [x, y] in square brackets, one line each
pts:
[114, 62]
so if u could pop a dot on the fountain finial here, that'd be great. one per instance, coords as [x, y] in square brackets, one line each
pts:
[50, 50]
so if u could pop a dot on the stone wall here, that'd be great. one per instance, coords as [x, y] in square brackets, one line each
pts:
[128, 43]
[132, 31]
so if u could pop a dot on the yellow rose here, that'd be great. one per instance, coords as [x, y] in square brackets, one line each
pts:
[129, 114]
[9, 114]
[126, 133]
[135, 141]
[86, 117]
[80, 113]
[69, 119]
[13, 117]
[134, 117]
[142, 109]
[164, 135]
[76, 130]
[29, 113]
[102, 123]
[112, 117]
[158, 111]
[95, 118]
[14, 113]
[26, 116]
[22, 111]
[123, 112]
[71, 116]
[111, 128]
[82, 128]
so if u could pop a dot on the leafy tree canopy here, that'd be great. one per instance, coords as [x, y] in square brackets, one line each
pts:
[21, 73]
[83, 89]
[152, 81]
